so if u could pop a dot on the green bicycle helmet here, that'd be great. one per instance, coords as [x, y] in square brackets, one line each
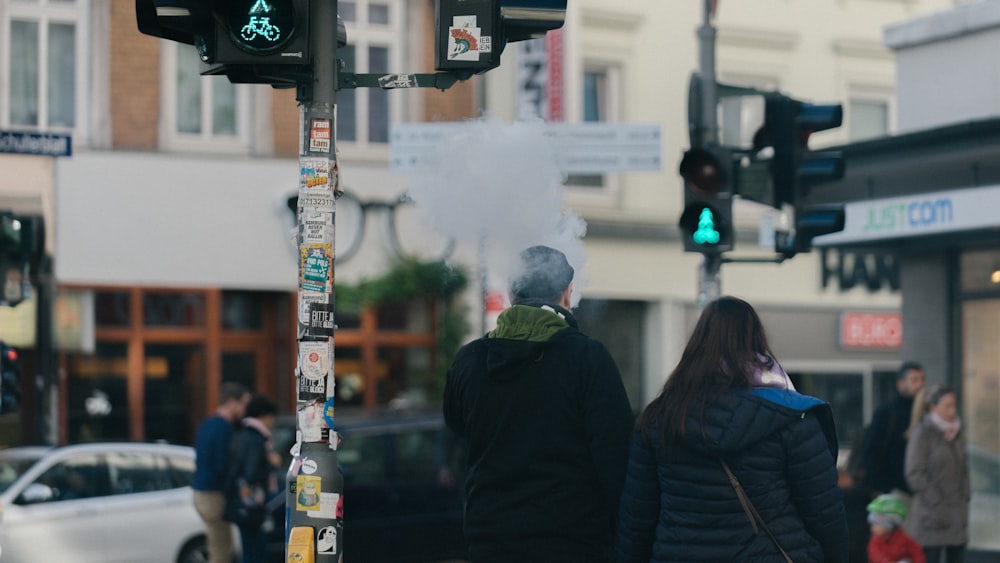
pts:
[888, 504]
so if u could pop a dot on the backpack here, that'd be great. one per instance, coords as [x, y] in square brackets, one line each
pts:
[246, 498]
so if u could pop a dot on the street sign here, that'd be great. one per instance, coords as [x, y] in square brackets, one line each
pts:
[42, 144]
[581, 148]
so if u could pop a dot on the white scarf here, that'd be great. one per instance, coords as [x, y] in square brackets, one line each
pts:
[949, 429]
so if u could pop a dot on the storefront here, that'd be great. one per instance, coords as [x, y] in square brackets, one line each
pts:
[930, 197]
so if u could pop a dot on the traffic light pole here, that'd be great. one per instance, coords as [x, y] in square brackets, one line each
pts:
[709, 282]
[313, 499]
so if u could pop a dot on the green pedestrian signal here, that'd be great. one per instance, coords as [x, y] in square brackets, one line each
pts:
[706, 221]
[706, 233]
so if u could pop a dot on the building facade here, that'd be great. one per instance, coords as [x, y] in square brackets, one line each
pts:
[169, 225]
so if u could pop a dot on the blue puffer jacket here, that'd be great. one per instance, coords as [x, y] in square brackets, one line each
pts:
[678, 504]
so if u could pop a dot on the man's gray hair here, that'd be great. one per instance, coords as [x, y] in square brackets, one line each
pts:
[545, 274]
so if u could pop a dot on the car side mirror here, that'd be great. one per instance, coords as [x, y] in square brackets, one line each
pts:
[35, 493]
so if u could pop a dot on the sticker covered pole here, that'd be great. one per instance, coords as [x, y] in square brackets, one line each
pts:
[314, 503]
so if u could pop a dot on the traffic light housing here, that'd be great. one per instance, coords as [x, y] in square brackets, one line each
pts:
[706, 223]
[471, 35]
[21, 250]
[810, 222]
[250, 41]
[788, 123]
[10, 380]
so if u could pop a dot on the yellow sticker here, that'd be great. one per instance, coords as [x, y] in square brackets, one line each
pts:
[308, 487]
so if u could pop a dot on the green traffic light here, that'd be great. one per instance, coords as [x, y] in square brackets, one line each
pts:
[261, 26]
[706, 233]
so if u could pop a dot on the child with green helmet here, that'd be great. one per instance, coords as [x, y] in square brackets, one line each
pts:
[889, 543]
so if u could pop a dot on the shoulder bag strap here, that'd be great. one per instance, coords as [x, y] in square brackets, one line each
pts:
[750, 509]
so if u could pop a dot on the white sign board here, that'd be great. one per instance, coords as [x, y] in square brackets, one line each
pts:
[581, 148]
[916, 215]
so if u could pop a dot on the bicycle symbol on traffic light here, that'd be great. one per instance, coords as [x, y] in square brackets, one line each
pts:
[260, 26]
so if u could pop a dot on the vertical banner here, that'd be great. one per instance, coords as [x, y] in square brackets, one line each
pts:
[540, 78]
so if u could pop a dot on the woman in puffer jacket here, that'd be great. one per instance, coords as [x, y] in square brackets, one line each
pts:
[728, 404]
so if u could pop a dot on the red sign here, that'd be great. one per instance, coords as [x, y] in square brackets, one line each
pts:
[871, 331]
[554, 60]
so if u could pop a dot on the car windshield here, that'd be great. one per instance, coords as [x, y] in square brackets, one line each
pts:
[13, 466]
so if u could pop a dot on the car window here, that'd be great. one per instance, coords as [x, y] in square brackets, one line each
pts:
[138, 472]
[362, 458]
[78, 477]
[416, 455]
[181, 470]
[13, 467]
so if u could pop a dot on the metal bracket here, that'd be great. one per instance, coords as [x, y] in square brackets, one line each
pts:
[439, 80]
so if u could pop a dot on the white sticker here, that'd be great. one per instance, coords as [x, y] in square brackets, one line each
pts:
[327, 506]
[314, 359]
[326, 541]
[311, 422]
[309, 466]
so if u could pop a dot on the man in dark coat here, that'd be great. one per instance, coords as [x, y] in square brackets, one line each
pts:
[884, 448]
[544, 416]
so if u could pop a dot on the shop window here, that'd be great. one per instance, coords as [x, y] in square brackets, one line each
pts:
[242, 310]
[173, 309]
[97, 400]
[111, 309]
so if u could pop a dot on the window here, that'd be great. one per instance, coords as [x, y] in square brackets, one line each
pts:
[138, 472]
[374, 31]
[867, 119]
[79, 477]
[740, 117]
[44, 60]
[202, 111]
[600, 95]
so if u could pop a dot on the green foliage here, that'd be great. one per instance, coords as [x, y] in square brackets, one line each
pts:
[409, 280]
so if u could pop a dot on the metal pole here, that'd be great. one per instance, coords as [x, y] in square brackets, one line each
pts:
[709, 281]
[313, 501]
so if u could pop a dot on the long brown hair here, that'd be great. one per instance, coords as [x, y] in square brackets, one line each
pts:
[727, 346]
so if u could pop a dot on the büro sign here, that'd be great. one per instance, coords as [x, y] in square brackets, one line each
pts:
[871, 331]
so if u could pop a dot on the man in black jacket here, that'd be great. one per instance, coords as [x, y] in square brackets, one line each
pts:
[884, 448]
[546, 422]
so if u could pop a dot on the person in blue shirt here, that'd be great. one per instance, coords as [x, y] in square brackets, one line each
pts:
[211, 446]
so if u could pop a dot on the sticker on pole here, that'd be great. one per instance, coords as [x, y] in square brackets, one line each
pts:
[466, 41]
[316, 267]
[326, 541]
[320, 136]
[308, 497]
[314, 359]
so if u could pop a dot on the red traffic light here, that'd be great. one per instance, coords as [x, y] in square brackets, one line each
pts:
[705, 171]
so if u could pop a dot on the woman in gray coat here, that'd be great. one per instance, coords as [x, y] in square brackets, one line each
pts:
[938, 473]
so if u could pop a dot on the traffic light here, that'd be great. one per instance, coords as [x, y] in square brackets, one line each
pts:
[21, 250]
[471, 35]
[10, 380]
[788, 123]
[810, 222]
[250, 41]
[707, 220]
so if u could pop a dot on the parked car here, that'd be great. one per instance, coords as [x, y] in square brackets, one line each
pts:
[397, 507]
[99, 503]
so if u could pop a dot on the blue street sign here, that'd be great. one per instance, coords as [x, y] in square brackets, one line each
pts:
[42, 144]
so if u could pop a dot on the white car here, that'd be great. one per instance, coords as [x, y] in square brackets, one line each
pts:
[99, 503]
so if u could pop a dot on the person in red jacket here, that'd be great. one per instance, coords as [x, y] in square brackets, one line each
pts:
[889, 543]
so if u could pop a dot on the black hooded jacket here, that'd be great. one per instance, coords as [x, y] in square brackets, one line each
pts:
[678, 504]
[545, 419]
